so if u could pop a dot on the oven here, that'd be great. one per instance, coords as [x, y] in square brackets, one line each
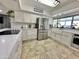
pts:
[75, 42]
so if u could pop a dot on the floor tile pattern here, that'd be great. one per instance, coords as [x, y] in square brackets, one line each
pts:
[47, 49]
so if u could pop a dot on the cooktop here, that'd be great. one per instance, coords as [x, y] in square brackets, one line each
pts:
[9, 32]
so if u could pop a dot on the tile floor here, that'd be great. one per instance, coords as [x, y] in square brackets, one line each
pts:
[47, 49]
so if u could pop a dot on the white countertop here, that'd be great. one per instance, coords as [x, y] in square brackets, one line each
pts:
[7, 42]
[73, 31]
[4, 29]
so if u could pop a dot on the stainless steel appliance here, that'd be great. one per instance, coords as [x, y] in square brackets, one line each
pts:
[42, 28]
[75, 42]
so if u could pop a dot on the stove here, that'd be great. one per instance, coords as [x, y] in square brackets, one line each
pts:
[75, 42]
[9, 32]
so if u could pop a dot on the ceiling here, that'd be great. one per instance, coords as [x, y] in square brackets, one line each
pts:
[66, 9]
[33, 3]
[63, 3]
[10, 4]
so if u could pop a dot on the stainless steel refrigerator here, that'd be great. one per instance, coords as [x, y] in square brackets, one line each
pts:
[42, 28]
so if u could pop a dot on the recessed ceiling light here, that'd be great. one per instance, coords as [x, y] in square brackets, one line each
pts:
[0, 10]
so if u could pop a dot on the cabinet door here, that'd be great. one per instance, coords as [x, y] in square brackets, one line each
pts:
[66, 38]
[24, 34]
[32, 33]
[49, 33]
[33, 18]
[30, 18]
[27, 18]
[29, 34]
[19, 17]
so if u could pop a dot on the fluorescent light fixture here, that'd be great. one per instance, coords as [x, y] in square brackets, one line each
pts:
[51, 3]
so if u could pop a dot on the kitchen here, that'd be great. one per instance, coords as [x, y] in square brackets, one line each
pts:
[33, 29]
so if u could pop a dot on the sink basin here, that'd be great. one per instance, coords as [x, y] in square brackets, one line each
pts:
[9, 32]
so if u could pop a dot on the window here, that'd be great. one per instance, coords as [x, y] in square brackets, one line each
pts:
[65, 22]
[76, 17]
[55, 23]
[61, 22]
[68, 24]
[76, 22]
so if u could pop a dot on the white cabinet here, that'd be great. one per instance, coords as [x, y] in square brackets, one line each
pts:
[61, 36]
[67, 38]
[29, 34]
[18, 52]
[17, 49]
[33, 18]
[19, 16]
[29, 18]
[24, 17]
[24, 34]
[51, 34]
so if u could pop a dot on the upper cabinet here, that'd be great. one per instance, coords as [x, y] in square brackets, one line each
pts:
[19, 17]
[33, 18]
[30, 18]
[25, 17]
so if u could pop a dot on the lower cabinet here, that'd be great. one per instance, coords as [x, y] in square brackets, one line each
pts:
[24, 34]
[29, 34]
[67, 38]
[61, 36]
[51, 34]
[58, 37]
[16, 51]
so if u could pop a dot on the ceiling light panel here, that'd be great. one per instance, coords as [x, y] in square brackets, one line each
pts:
[51, 3]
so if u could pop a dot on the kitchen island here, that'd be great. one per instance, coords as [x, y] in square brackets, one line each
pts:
[10, 45]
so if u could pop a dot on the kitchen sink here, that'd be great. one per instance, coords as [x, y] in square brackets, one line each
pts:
[9, 32]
